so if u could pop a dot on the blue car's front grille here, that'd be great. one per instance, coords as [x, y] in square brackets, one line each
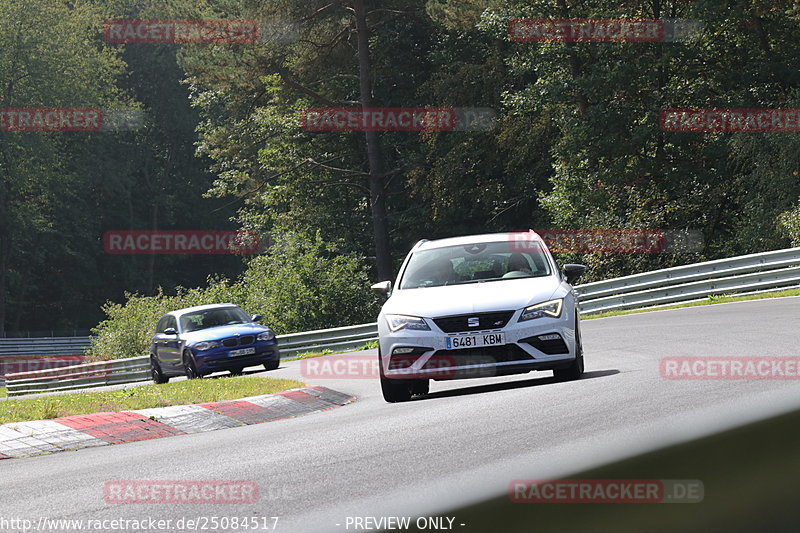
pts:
[238, 341]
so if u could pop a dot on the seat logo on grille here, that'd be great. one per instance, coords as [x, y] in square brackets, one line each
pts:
[473, 321]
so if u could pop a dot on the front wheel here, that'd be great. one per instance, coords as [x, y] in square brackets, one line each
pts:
[421, 386]
[394, 390]
[189, 366]
[272, 365]
[575, 370]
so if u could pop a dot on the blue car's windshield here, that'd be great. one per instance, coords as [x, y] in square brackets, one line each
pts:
[211, 318]
[478, 262]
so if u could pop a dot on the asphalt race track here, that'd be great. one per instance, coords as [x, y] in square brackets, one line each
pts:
[462, 444]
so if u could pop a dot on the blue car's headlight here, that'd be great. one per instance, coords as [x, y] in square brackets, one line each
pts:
[397, 322]
[206, 345]
[551, 308]
[266, 336]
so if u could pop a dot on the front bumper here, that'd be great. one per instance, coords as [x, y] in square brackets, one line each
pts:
[540, 344]
[220, 359]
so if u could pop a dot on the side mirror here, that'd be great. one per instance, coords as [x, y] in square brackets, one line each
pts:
[170, 331]
[384, 288]
[573, 272]
[255, 318]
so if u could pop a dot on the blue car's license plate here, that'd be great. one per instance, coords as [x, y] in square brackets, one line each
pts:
[242, 351]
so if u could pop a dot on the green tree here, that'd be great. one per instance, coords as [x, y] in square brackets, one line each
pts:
[301, 283]
[51, 57]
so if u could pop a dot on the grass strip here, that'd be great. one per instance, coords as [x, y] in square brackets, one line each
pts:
[141, 397]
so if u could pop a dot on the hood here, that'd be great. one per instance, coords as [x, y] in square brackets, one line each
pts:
[223, 332]
[483, 297]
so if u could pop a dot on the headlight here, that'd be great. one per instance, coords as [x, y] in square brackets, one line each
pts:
[551, 309]
[266, 336]
[206, 345]
[397, 322]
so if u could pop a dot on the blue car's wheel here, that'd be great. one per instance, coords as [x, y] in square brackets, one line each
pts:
[189, 366]
[155, 371]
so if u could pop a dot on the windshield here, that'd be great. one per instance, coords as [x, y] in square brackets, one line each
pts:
[473, 263]
[211, 318]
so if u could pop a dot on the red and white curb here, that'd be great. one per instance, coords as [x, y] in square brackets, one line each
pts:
[22, 439]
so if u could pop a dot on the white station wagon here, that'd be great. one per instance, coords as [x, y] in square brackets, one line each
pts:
[477, 306]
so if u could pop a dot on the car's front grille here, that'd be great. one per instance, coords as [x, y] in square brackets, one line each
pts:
[238, 341]
[551, 344]
[473, 321]
[477, 356]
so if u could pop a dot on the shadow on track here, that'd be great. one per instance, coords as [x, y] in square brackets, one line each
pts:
[508, 385]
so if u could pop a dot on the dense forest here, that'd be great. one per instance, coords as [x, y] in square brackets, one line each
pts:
[575, 142]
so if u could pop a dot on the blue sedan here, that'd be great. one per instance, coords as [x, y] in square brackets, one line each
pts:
[201, 340]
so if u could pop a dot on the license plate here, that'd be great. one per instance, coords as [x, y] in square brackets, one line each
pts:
[243, 351]
[475, 341]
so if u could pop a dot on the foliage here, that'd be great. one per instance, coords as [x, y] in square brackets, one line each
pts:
[576, 144]
[299, 284]
[303, 283]
[790, 221]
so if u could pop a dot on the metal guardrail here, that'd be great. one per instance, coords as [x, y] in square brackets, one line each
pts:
[42, 346]
[749, 273]
[135, 369]
[83, 376]
[45, 333]
[336, 339]
[16, 349]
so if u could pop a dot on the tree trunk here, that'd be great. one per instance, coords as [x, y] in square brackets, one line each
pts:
[377, 189]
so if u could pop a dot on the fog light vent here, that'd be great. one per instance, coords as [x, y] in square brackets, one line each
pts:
[550, 337]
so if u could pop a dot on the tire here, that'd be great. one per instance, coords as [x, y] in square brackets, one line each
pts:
[155, 371]
[575, 370]
[272, 365]
[189, 367]
[238, 371]
[394, 390]
[421, 386]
